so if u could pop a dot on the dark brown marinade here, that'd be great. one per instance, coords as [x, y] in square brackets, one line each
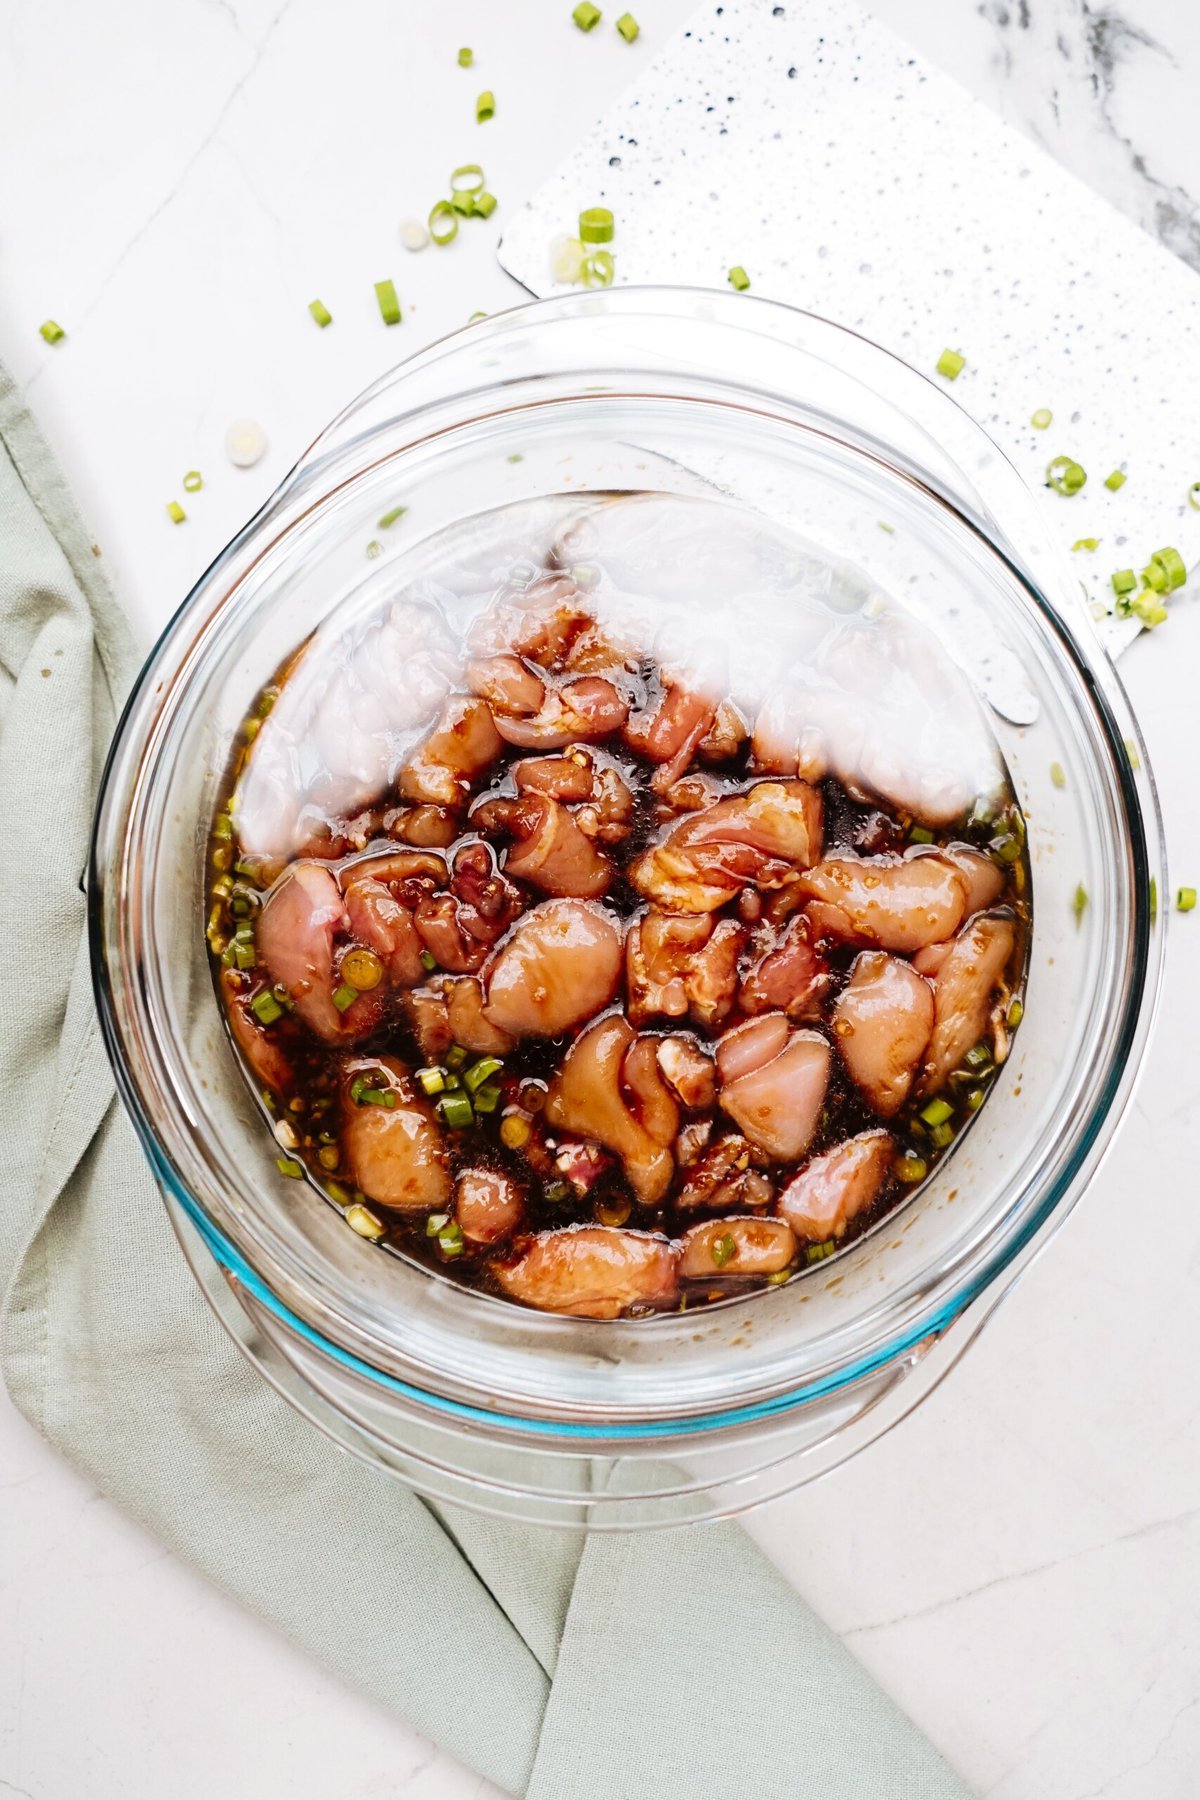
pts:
[310, 1103]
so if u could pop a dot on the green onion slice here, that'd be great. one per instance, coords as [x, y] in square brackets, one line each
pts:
[485, 106]
[1058, 775]
[54, 333]
[456, 1111]
[466, 179]
[937, 1112]
[390, 516]
[389, 305]
[345, 997]
[1079, 903]
[1194, 495]
[723, 1250]
[586, 15]
[487, 1098]
[598, 269]
[1116, 480]
[1170, 566]
[1185, 899]
[287, 1165]
[596, 225]
[482, 1071]
[738, 278]
[432, 1080]
[951, 364]
[1124, 581]
[193, 481]
[1086, 544]
[1042, 419]
[628, 27]
[466, 57]
[320, 313]
[1065, 475]
[485, 205]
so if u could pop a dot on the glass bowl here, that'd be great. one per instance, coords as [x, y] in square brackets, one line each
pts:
[683, 1416]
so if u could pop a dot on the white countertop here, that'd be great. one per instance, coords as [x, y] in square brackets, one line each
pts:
[1018, 1564]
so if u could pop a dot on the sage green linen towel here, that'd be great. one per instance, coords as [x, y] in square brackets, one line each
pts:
[608, 1668]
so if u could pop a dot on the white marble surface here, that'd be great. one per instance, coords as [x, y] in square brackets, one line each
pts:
[1019, 1563]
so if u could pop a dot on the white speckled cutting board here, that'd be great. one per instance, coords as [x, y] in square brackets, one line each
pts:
[805, 142]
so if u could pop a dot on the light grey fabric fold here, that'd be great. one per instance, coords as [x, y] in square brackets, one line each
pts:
[558, 1666]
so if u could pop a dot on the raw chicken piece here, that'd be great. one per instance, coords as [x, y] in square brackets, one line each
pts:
[747, 1047]
[688, 1071]
[592, 1272]
[778, 1104]
[561, 965]
[793, 976]
[653, 1103]
[723, 1177]
[507, 685]
[462, 745]
[581, 711]
[724, 1249]
[585, 1097]
[395, 1153]
[488, 1205]
[962, 993]
[881, 1026]
[550, 851]
[378, 920]
[892, 902]
[984, 879]
[467, 1022]
[263, 1046]
[831, 1190]
[567, 779]
[295, 939]
[759, 837]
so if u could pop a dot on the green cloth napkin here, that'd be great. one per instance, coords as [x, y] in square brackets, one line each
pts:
[558, 1666]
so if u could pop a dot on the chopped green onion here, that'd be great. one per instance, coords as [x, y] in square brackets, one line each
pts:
[628, 27]
[484, 206]
[1154, 577]
[951, 364]
[453, 1081]
[374, 549]
[443, 225]
[1149, 610]
[1058, 775]
[978, 1056]
[1015, 1013]
[193, 481]
[450, 1241]
[586, 15]
[243, 955]
[389, 518]
[345, 997]
[462, 204]
[482, 1071]
[1170, 570]
[884, 526]
[816, 1253]
[361, 1219]
[941, 1135]
[556, 1191]
[937, 1112]
[389, 305]
[287, 1165]
[1042, 418]
[911, 1168]
[596, 225]
[320, 313]
[598, 269]
[1124, 581]
[1079, 903]
[466, 57]
[1086, 544]
[920, 834]
[266, 1007]
[436, 1222]
[54, 333]
[432, 1080]
[975, 1100]
[485, 107]
[1185, 899]
[1153, 899]
[1007, 848]
[428, 960]
[1194, 495]
[223, 827]
[777, 1279]
[738, 278]
[1065, 475]
[456, 1111]
[475, 318]
[455, 1057]
[175, 512]
[487, 1098]
[723, 1250]
[1116, 480]
[466, 179]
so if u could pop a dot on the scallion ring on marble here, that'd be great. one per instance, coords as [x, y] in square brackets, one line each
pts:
[466, 179]
[1065, 475]
[596, 225]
